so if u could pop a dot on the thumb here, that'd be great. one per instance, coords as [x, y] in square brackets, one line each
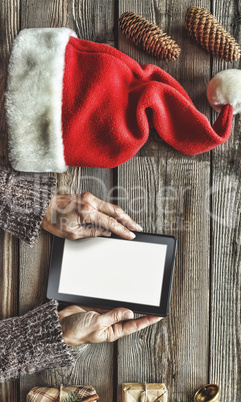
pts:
[116, 315]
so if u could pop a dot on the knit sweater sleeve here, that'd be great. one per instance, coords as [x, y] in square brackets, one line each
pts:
[23, 202]
[32, 343]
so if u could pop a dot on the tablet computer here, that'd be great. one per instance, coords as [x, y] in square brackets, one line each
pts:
[113, 272]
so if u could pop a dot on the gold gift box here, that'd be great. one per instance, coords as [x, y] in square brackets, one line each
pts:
[143, 392]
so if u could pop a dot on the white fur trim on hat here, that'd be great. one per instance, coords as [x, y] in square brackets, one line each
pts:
[225, 89]
[34, 99]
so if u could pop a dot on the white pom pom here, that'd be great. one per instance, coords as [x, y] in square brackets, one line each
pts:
[225, 89]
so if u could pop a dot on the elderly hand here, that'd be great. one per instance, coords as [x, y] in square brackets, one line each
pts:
[84, 215]
[80, 326]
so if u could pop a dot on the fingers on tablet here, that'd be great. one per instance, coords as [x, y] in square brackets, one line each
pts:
[116, 212]
[106, 222]
[88, 231]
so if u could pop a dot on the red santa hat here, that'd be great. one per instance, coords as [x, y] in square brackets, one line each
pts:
[72, 102]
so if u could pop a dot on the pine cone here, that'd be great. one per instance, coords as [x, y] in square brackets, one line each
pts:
[211, 35]
[149, 37]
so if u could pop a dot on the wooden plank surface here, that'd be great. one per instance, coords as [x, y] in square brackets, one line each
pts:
[225, 326]
[93, 365]
[166, 193]
[9, 25]
[172, 200]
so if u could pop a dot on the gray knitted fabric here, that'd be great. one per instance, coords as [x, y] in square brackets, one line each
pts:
[23, 202]
[32, 343]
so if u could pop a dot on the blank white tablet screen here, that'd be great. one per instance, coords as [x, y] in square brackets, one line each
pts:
[113, 269]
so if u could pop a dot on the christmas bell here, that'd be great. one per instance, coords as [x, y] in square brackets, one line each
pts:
[208, 393]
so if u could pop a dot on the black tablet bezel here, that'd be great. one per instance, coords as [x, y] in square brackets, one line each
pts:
[162, 310]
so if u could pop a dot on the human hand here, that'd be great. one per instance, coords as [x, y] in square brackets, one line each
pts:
[95, 326]
[84, 215]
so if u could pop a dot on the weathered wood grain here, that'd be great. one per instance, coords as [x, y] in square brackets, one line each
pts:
[173, 201]
[9, 23]
[225, 326]
[94, 21]
[9, 13]
[166, 193]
